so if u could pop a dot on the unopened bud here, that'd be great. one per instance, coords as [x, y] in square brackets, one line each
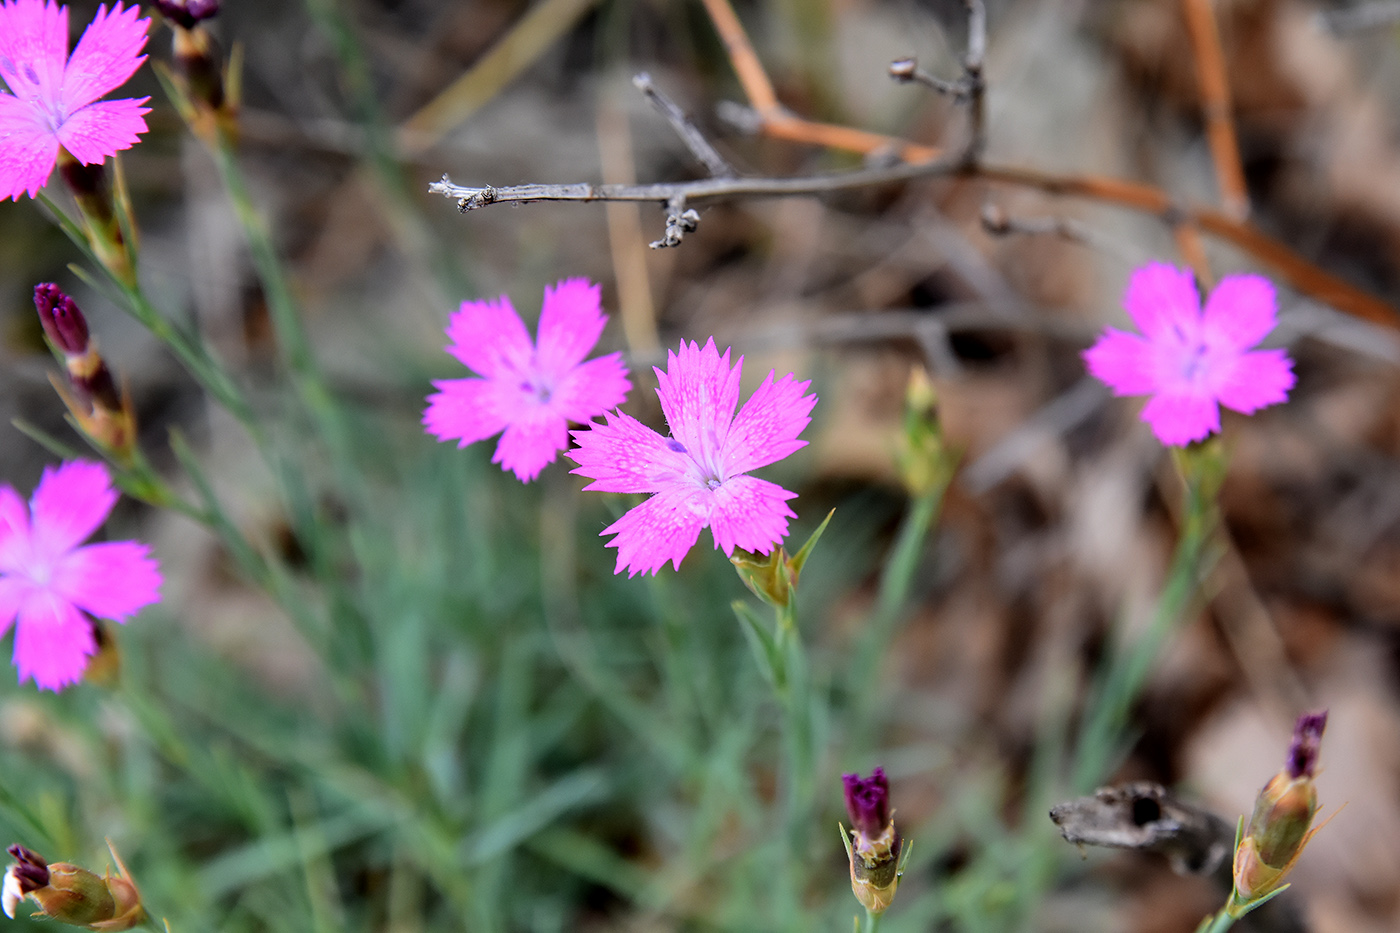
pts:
[71, 894]
[1280, 826]
[98, 206]
[874, 846]
[925, 461]
[63, 323]
[91, 393]
[187, 13]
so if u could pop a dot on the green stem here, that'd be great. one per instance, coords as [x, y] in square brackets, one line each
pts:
[1217, 922]
[1130, 666]
[872, 922]
[896, 581]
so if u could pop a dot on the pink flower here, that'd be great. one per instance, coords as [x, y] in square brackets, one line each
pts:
[53, 99]
[527, 394]
[699, 474]
[48, 581]
[1191, 361]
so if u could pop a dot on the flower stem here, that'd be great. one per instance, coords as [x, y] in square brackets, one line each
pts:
[1202, 468]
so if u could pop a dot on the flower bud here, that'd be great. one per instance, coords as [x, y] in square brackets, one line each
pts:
[63, 323]
[99, 207]
[91, 393]
[206, 87]
[187, 13]
[874, 846]
[1281, 823]
[72, 894]
[925, 461]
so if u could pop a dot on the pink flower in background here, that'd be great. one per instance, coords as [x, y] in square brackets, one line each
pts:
[527, 393]
[1192, 361]
[698, 474]
[48, 580]
[53, 99]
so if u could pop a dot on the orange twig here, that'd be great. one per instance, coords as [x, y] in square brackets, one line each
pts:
[1215, 105]
[752, 75]
[1193, 250]
[776, 121]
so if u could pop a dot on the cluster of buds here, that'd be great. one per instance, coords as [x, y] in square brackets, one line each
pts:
[91, 393]
[72, 895]
[206, 94]
[876, 851]
[1281, 824]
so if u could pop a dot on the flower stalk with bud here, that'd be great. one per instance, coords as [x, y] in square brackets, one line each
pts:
[91, 395]
[876, 850]
[71, 894]
[1278, 830]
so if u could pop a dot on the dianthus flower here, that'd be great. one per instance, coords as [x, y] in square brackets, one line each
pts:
[527, 393]
[48, 581]
[698, 474]
[1190, 360]
[53, 99]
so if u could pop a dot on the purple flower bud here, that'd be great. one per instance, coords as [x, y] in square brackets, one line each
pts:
[30, 870]
[187, 12]
[868, 802]
[1307, 740]
[63, 322]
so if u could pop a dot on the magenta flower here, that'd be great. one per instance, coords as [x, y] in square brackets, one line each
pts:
[1192, 361]
[528, 394]
[698, 474]
[48, 581]
[53, 99]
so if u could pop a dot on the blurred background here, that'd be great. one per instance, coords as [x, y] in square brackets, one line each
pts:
[1055, 533]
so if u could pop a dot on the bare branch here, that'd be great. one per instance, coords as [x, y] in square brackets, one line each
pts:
[694, 140]
[972, 66]
[907, 70]
[704, 189]
[680, 220]
[997, 222]
[970, 88]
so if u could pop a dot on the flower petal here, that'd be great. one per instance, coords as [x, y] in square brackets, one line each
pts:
[1122, 361]
[591, 388]
[110, 581]
[1160, 296]
[470, 410]
[108, 53]
[14, 530]
[766, 428]
[1178, 419]
[70, 503]
[624, 455]
[532, 442]
[663, 528]
[571, 321]
[1240, 312]
[53, 641]
[1257, 379]
[699, 392]
[104, 128]
[29, 151]
[490, 339]
[33, 48]
[750, 513]
[13, 593]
